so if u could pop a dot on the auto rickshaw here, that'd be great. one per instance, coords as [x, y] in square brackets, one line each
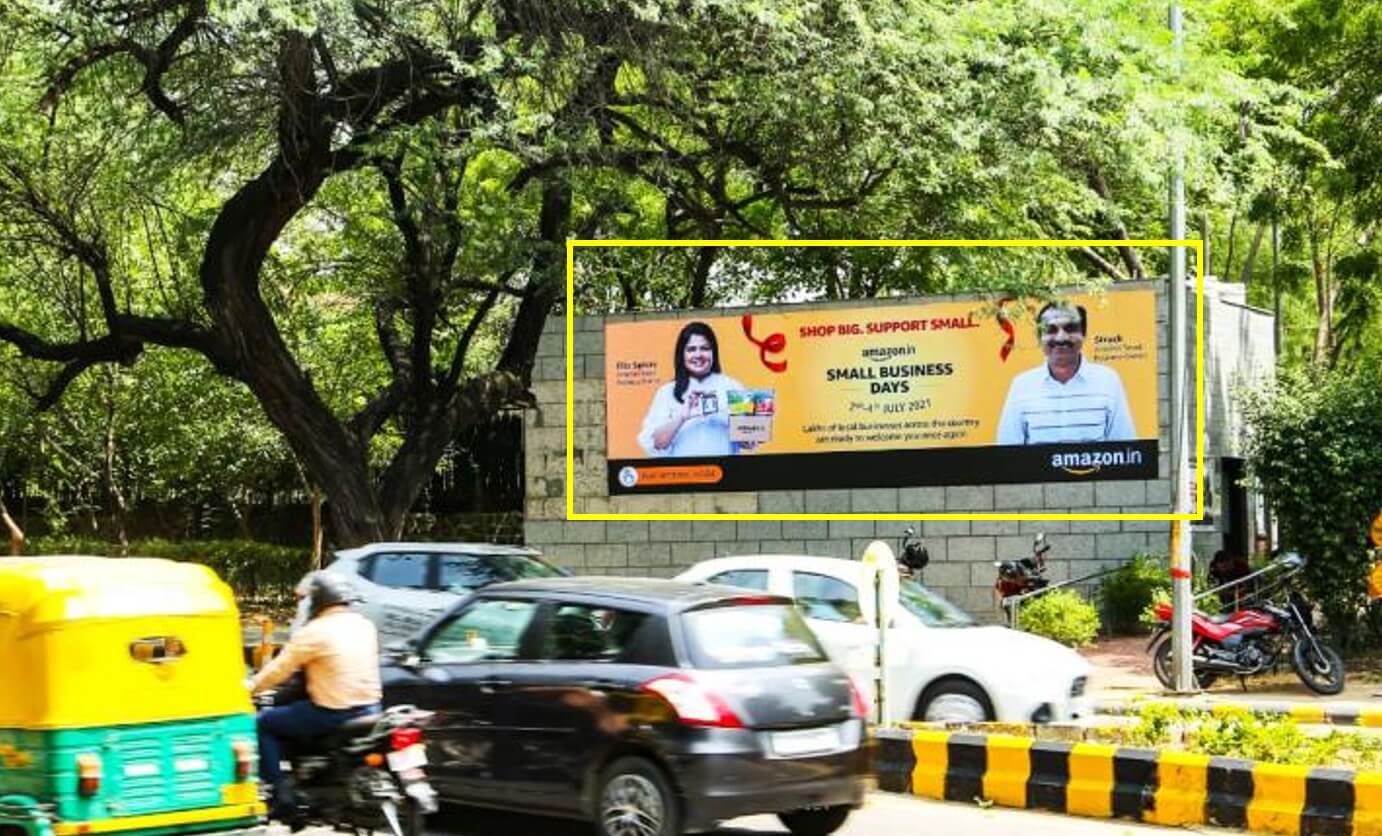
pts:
[123, 707]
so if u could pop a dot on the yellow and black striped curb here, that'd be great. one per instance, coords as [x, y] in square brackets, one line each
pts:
[1335, 714]
[1160, 787]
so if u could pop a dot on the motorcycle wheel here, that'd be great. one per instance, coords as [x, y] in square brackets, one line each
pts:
[1161, 666]
[1321, 672]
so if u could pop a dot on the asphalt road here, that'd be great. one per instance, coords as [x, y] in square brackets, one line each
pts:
[884, 815]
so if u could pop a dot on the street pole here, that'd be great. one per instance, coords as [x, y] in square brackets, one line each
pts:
[1182, 600]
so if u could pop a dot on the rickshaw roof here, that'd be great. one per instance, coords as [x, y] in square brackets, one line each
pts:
[77, 587]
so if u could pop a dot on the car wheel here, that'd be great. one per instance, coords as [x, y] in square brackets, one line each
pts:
[636, 800]
[815, 821]
[954, 701]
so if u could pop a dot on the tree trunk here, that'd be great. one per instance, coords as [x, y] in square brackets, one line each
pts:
[316, 527]
[16, 533]
[1324, 306]
[1252, 252]
[116, 495]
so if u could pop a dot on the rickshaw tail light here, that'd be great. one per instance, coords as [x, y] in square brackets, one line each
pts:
[88, 775]
[244, 759]
[403, 738]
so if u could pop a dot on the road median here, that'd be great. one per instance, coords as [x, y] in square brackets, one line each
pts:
[1165, 786]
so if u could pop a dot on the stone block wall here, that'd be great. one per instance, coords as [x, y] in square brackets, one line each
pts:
[962, 551]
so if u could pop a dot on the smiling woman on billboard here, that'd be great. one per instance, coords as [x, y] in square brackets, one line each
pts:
[690, 415]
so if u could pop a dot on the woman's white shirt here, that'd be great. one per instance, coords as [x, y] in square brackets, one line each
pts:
[701, 434]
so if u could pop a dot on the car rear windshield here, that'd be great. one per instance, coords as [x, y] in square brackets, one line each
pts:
[749, 636]
[459, 572]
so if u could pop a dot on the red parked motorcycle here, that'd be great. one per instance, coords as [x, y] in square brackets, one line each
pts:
[1253, 640]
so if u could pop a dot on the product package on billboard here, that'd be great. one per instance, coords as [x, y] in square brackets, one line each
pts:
[750, 415]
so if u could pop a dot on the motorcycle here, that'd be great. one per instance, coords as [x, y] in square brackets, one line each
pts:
[1253, 640]
[365, 775]
[914, 557]
[1025, 574]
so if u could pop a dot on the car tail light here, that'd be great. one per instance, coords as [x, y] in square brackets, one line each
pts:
[244, 759]
[694, 704]
[403, 738]
[88, 775]
[857, 701]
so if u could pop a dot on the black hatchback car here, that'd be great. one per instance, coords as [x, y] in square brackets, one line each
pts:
[649, 707]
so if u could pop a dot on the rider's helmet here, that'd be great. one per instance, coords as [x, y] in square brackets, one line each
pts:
[326, 589]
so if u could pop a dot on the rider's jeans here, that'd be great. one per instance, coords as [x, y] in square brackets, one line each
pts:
[296, 721]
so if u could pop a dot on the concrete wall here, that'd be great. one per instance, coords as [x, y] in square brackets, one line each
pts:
[961, 551]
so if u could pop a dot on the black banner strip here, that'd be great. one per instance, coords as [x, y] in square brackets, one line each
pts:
[1092, 462]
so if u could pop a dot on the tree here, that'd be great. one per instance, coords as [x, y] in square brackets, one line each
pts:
[419, 106]
[1314, 445]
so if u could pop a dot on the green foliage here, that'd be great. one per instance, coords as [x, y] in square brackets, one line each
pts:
[1234, 732]
[1129, 592]
[254, 570]
[1315, 447]
[1062, 616]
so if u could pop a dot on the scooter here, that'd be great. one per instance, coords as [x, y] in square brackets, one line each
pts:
[365, 775]
[1253, 640]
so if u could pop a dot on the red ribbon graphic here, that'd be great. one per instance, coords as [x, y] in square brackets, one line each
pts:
[1005, 322]
[772, 344]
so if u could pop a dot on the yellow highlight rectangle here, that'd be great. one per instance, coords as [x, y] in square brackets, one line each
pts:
[933, 758]
[1199, 433]
[1182, 789]
[1278, 798]
[1090, 790]
[1009, 767]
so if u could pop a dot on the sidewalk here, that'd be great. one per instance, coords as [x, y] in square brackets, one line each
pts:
[1123, 671]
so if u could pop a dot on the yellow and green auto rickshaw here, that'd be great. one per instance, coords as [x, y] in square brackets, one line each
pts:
[122, 701]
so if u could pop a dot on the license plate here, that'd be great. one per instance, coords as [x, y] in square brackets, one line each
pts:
[805, 742]
[413, 757]
[239, 793]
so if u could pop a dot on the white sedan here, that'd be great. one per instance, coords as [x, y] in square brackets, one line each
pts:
[941, 666]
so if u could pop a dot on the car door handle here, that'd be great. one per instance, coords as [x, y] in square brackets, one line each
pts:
[489, 686]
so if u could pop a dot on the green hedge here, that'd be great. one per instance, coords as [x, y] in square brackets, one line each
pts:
[255, 570]
[1063, 616]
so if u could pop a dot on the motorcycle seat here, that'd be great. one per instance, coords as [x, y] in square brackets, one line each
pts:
[353, 727]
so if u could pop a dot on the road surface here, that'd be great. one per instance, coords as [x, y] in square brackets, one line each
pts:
[885, 814]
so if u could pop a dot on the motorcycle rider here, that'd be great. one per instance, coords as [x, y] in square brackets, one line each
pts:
[338, 652]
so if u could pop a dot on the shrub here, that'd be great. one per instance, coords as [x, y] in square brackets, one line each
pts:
[253, 569]
[1062, 616]
[1128, 593]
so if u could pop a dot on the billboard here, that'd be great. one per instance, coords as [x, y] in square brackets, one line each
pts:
[943, 393]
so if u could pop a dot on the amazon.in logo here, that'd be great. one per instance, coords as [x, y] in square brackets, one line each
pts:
[1086, 462]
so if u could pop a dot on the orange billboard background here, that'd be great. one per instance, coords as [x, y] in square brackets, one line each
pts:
[887, 377]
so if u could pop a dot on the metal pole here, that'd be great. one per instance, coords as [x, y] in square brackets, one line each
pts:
[1181, 597]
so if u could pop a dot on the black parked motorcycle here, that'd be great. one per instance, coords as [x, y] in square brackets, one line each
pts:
[366, 775]
[914, 555]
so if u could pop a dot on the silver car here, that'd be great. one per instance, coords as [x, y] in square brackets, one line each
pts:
[403, 586]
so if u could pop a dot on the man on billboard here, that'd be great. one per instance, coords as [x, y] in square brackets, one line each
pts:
[689, 416]
[1067, 398]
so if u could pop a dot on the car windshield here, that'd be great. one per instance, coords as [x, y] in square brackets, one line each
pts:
[750, 636]
[461, 572]
[929, 607]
